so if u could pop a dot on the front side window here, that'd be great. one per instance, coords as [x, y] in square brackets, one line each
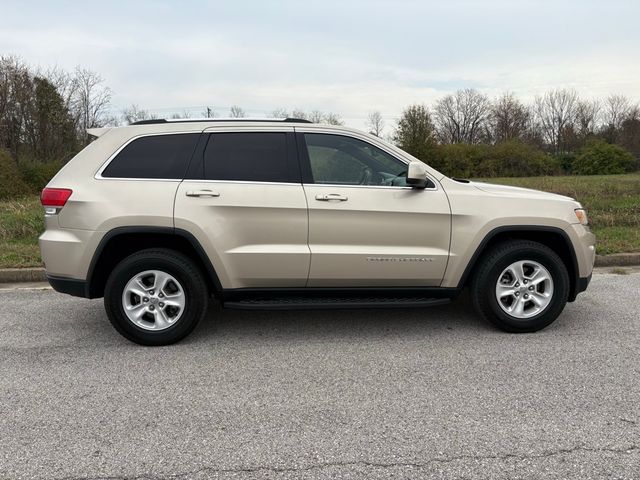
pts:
[341, 160]
[250, 156]
[154, 156]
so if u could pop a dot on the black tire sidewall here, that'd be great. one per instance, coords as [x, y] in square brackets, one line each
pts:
[560, 278]
[182, 270]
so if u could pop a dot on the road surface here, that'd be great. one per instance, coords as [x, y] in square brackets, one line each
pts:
[324, 394]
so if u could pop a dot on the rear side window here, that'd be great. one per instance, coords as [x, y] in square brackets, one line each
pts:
[250, 156]
[156, 156]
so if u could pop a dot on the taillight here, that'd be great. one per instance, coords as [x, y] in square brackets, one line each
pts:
[53, 199]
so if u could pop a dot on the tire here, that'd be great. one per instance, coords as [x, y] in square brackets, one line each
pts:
[520, 308]
[155, 297]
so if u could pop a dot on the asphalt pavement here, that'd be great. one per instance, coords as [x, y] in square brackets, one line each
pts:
[433, 393]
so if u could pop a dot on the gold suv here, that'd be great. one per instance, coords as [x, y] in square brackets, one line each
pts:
[159, 216]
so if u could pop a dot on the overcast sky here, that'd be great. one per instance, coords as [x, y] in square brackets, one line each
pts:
[349, 57]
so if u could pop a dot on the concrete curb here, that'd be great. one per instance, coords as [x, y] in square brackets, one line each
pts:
[618, 260]
[20, 275]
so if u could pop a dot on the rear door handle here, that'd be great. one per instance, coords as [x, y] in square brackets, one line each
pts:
[202, 193]
[327, 197]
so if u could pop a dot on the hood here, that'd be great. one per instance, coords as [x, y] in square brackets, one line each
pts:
[508, 191]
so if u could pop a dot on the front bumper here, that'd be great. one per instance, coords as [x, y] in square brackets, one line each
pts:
[585, 250]
[580, 286]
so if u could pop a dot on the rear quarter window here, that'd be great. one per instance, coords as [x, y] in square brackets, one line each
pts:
[154, 156]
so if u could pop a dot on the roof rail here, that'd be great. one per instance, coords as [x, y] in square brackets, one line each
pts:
[149, 122]
[185, 120]
[297, 120]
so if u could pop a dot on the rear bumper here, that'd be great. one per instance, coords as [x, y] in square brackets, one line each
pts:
[70, 286]
[66, 252]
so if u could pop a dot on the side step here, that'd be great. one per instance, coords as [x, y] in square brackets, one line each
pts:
[297, 303]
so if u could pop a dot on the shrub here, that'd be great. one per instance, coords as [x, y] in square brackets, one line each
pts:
[459, 159]
[11, 183]
[517, 159]
[602, 158]
[566, 161]
[506, 159]
[37, 175]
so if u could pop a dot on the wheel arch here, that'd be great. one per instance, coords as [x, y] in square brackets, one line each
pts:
[121, 242]
[553, 237]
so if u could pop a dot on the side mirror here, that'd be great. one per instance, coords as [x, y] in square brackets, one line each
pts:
[417, 175]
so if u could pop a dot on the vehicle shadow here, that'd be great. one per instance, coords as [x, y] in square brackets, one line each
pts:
[345, 324]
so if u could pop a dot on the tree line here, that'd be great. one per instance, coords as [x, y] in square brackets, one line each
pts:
[557, 133]
[44, 115]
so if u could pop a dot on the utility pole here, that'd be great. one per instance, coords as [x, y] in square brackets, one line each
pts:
[208, 112]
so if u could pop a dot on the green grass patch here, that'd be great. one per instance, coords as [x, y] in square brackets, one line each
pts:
[21, 222]
[612, 202]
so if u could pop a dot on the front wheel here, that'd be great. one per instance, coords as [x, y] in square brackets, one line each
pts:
[520, 286]
[155, 297]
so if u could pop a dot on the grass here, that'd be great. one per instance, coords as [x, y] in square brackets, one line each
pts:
[613, 202]
[21, 222]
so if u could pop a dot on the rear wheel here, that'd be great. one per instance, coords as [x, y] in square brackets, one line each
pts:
[155, 297]
[520, 286]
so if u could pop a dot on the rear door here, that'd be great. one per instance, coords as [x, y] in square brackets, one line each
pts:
[244, 202]
[366, 226]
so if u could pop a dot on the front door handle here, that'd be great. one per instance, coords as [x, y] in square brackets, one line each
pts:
[202, 193]
[331, 196]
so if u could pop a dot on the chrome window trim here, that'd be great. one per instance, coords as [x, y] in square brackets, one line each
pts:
[395, 187]
[241, 182]
[250, 182]
[98, 174]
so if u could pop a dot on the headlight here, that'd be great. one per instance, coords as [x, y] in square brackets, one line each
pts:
[581, 213]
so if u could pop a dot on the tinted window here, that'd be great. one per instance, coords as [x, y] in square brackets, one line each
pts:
[157, 156]
[336, 159]
[251, 156]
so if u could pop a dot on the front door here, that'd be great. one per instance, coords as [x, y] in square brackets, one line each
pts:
[368, 228]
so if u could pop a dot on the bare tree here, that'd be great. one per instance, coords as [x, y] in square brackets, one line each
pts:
[66, 84]
[236, 112]
[279, 113]
[587, 116]
[16, 87]
[462, 117]
[316, 116]
[331, 118]
[555, 114]
[183, 114]
[629, 136]
[616, 110]
[133, 113]
[375, 123]
[298, 113]
[509, 118]
[92, 100]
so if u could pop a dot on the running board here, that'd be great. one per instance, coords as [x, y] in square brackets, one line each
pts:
[297, 303]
